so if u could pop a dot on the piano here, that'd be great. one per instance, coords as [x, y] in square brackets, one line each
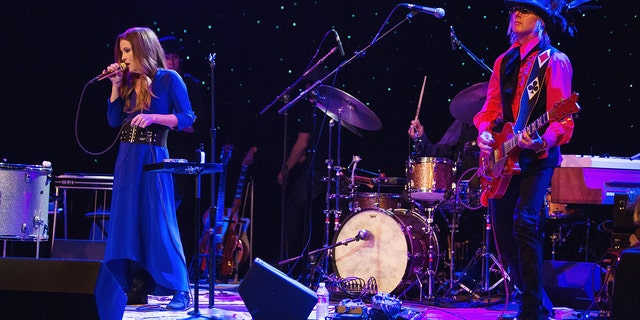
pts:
[584, 179]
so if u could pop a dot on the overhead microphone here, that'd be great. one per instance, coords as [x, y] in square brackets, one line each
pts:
[102, 76]
[436, 12]
[454, 39]
[339, 42]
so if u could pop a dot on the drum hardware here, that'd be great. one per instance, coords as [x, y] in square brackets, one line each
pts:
[345, 111]
[432, 257]
[489, 263]
[468, 191]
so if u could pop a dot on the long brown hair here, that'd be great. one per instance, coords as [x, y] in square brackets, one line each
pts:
[148, 54]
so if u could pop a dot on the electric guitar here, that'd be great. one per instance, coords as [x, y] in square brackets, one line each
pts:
[497, 167]
[233, 246]
[225, 155]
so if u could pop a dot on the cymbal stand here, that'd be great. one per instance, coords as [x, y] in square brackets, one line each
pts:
[334, 175]
[432, 250]
[453, 224]
[489, 263]
[458, 207]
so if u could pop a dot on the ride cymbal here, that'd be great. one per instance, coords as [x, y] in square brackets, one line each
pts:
[344, 108]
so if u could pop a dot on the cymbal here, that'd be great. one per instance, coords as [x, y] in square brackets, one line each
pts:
[343, 107]
[468, 102]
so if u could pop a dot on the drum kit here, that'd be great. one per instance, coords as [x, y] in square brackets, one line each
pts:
[396, 240]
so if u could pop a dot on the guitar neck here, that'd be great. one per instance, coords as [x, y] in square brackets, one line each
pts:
[240, 186]
[560, 110]
[512, 143]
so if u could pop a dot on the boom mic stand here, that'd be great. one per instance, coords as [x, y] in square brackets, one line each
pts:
[357, 54]
[363, 235]
[313, 86]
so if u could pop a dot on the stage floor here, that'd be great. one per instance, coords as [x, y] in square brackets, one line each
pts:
[228, 304]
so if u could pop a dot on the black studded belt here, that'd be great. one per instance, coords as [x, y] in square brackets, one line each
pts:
[155, 136]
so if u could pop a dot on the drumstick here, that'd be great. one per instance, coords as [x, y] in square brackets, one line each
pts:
[420, 100]
[415, 130]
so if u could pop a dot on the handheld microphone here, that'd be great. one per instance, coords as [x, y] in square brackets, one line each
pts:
[121, 66]
[339, 42]
[436, 12]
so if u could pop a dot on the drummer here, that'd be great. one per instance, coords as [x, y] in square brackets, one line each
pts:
[457, 144]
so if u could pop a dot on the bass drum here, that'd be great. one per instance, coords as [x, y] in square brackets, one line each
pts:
[400, 245]
[24, 201]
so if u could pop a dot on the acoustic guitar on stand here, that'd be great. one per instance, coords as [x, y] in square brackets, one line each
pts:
[235, 249]
[497, 167]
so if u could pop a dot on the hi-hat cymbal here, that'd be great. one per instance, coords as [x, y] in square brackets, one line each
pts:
[343, 107]
[468, 102]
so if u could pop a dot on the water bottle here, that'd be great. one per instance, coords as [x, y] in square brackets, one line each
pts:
[200, 156]
[322, 307]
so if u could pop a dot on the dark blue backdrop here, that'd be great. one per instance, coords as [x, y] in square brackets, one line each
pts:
[52, 49]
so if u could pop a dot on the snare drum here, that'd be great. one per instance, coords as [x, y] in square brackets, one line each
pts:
[429, 179]
[399, 246]
[24, 201]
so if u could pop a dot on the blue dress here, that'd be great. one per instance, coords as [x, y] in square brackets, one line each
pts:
[143, 225]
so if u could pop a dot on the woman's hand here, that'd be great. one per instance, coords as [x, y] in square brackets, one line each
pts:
[116, 77]
[143, 120]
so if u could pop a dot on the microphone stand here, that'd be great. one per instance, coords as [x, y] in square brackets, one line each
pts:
[455, 40]
[357, 54]
[340, 243]
[286, 91]
[304, 93]
[212, 248]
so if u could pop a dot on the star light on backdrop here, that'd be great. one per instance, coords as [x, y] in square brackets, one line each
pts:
[264, 46]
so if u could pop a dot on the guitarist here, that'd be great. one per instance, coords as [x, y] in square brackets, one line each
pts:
[528, 79]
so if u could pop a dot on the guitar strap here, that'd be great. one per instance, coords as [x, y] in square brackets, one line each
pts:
[534, 86]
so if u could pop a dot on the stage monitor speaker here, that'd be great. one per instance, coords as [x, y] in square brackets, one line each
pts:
[60, 289]
[572, 284]
[626, 284]
[78, 249]
[270, 294]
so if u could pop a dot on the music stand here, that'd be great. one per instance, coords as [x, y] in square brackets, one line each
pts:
[196, 169]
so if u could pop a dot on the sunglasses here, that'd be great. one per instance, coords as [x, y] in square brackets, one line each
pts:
[522, 10]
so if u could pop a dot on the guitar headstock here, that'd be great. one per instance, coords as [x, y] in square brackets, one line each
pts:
[225, 154]
[565, 107]
[248, 158]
